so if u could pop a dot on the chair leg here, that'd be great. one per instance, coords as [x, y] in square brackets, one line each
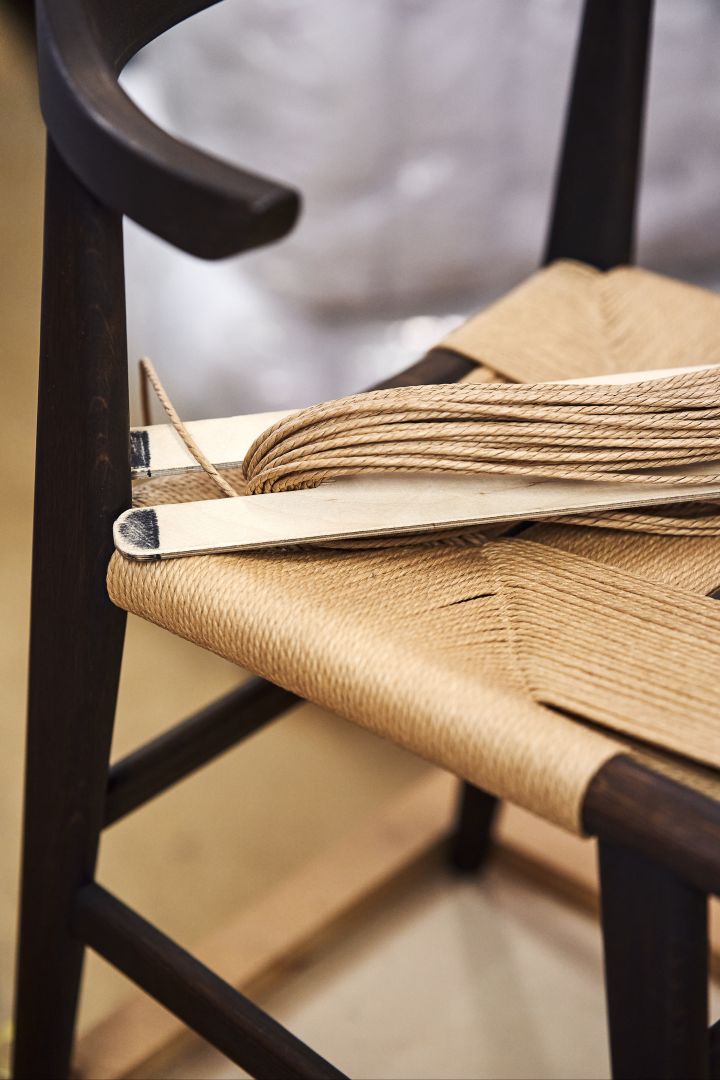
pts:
[471, 839]
[82, 483]
[655, 934]
[66, 770]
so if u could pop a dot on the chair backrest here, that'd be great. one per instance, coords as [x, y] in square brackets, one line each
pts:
[105, 159]
[593, 217]
[193, 200]
[213, 209]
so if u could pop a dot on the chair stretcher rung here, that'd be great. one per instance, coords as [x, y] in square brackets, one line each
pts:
[201, 999]
[161, 762]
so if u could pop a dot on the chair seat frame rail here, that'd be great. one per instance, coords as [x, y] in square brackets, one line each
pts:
[659, 842]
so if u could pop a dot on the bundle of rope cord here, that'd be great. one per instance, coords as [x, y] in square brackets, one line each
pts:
[548, 430]
[608, 432]
[610, 625]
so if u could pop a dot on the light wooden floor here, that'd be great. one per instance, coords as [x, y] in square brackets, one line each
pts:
[492, 979]
[439, 978]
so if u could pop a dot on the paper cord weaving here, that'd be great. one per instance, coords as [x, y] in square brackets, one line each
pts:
[489, 658]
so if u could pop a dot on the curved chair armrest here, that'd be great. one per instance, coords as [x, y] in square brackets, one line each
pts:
[186, 196]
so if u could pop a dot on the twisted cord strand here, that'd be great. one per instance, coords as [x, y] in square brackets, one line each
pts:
[147, 369]
[599, 432]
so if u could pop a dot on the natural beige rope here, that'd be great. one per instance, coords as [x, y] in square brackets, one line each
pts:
[548, 431]
[599, 642]
[588, 432]
[147, 369]
[465, 654]
[687, 519]
[568, 321]
[150, 377]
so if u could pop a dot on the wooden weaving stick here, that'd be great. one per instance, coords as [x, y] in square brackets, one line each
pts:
[364, 506]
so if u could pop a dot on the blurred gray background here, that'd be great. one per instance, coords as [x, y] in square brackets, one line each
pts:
[423, 135]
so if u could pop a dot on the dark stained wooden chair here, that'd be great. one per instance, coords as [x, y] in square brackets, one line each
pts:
[659, 842]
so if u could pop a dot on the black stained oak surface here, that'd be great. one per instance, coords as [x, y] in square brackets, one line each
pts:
[204, 1001]
[660, 841]
[593, 217]
[629, 804]
[186, 196]
[82, 484]
[656, 968]
[194, 742]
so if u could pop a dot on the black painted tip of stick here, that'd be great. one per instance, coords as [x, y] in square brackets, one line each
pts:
[139, 451]
[140, 529]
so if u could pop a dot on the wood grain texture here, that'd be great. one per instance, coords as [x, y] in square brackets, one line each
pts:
[629, 805]
[271, 932]
[82, 483]
[656, 968]
[389, 505]
[594, 210]
[267, 936]
[192, 743]
[363, 505]
[158, 450]
[211, 209]
[194, 993]
[188, 197]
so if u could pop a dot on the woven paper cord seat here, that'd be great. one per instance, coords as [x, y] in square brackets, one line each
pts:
[520, 664]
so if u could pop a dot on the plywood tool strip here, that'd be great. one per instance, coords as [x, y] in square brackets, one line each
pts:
[438, 487]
